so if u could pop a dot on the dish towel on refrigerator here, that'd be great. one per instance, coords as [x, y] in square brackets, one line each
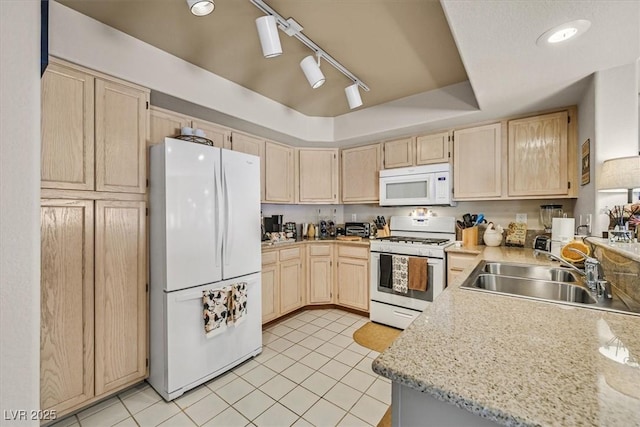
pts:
[399, 281]
[239, 302]
[418, 275]
[216, 310]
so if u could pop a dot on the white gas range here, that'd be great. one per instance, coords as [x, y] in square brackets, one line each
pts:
[422, 237]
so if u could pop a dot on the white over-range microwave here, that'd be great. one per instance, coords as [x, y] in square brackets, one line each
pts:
[426, 185]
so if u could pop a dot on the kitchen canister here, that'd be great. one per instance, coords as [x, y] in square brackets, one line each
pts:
[492, 236]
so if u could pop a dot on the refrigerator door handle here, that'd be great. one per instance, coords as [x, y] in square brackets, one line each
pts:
[188, 297]
[228, 227]
[217, 225]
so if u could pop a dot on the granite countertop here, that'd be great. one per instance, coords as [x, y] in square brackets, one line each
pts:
[275, 245]
[520, 362]
[473, 250]
[629, 250]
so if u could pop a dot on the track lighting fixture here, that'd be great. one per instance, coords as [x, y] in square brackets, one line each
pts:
[353, 96]
[312, 71]
[269, 38]
[201, 7]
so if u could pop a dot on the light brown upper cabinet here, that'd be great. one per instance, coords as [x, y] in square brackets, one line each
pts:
[399, 153]
[220, 136]
[318, 175]
[477, 162]
[94, 131]
[67, 130]
[121, 137]
[165, 123]
[360, 174]
[279, 173]
[538, 155]
[251, 145]
[433, 148]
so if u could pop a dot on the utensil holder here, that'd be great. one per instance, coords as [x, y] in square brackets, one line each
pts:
[470, 236]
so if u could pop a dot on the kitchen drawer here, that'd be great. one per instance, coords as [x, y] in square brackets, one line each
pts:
[289, 253]
[460, 261]
[353, 251]
[317, 250]
[270, 257]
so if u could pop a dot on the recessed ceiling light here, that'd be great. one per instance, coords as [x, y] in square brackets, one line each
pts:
[564, 32]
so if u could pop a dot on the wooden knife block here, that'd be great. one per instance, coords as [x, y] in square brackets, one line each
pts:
[470, 236]
[384, 232]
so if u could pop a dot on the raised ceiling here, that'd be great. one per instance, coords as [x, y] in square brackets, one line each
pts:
[398, 48]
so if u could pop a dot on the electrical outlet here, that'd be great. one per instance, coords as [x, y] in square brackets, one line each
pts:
[521, 218]
[354, 217]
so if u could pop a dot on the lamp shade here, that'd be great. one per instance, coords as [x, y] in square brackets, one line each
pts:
[621, 174]
[269, 38]
[201, 7]
[312, 72]
[353, 96]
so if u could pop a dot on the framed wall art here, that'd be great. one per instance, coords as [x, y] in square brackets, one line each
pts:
[586, 163]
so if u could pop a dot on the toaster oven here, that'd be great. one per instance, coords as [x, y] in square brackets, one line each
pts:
[362, 229]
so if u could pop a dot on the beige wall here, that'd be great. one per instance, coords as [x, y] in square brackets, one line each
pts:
[20, 204]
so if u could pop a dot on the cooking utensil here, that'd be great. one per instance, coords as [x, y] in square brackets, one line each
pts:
[480, 219]
[460, 224]
[467, 220]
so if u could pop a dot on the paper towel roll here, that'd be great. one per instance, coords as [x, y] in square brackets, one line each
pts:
[563, 229]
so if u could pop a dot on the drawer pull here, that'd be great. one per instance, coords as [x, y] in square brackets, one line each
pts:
[405, 315]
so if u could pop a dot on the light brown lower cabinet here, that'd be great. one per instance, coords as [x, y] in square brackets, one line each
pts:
[314, 274]
[320, 273]
[283, 283]
[94, 305]
[353, 277]
[456, 263]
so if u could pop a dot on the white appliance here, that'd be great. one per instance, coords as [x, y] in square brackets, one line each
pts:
[562, 232]
[415, 237]
[416, 186]
[205, 234]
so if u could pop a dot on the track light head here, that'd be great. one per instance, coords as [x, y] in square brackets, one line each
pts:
[268, 34]
[312, 71]
[353, 96]
[201, 7]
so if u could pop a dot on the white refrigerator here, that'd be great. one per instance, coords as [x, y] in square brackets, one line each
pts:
[204, 235]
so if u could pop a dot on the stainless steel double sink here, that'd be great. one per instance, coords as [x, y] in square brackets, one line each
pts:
[553, 284]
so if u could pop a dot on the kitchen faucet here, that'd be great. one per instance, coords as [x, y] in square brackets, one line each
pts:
[592, 272]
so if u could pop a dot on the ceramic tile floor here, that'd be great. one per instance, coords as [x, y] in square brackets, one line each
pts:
[310, 373]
